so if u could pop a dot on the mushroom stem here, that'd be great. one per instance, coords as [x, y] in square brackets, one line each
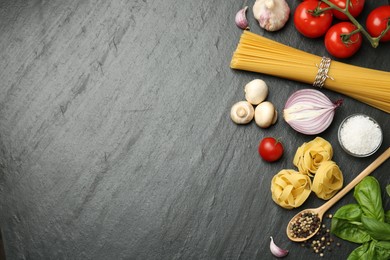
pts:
[241, 112]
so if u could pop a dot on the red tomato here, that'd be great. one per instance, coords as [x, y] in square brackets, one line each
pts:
[377, 21]
[339, 43]
[355, 8]
[309, 23]
[270, 149]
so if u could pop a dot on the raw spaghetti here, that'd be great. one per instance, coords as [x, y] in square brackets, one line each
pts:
[259, 54]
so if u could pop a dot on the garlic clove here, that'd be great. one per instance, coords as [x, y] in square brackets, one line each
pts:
[277, 251]
[242, 112]
[256, 91]
[241, 20]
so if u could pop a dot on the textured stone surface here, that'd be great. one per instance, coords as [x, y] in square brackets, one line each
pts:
[116, 141]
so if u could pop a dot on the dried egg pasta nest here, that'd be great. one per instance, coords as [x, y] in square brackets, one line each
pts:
[327, 181]
[309, 156]
[290, 188]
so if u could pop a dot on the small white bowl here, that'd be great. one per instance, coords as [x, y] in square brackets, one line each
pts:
[362, 139]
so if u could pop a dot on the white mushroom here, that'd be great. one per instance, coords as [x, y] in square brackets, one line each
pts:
[242, 112]
[265, 114]
[272, 15]
[256, 91]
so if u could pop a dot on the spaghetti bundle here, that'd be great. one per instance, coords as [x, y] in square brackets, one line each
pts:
[259, 54]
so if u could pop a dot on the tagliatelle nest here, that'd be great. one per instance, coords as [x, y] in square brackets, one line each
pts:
[309, 156]
[290, 189]
[327, 181]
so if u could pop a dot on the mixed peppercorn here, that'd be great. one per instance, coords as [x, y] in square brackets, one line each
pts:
[305, 225]
[322, 242]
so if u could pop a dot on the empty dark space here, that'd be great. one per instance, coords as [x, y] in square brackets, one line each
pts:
[116, 140]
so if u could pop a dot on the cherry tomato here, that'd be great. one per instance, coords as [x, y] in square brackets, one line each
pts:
[355, 8]
[270, 149]
[339, 43]
[309, 23]
[377, 21]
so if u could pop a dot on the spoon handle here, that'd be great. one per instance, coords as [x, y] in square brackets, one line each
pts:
[370, 168]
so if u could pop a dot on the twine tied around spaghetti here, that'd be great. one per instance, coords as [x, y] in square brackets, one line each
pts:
[322, 73]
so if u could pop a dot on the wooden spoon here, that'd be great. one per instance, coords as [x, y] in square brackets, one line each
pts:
[321, 210]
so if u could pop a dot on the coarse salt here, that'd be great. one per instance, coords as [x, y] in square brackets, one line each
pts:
[360, 135]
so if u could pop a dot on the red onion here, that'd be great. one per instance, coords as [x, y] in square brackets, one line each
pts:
[309, 111]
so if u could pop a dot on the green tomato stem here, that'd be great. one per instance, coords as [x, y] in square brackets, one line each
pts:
[347, 3]
[384, 31]
[346, 38]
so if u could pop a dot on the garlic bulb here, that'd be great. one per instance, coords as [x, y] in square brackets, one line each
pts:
[256, 91]
[272, 15]
[242, 112]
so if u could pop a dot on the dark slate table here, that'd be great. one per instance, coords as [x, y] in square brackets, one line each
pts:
[116, 141]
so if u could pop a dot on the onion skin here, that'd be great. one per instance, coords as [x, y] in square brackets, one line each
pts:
[309, 111]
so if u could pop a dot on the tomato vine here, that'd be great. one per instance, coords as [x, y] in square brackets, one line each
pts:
[373, 40]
